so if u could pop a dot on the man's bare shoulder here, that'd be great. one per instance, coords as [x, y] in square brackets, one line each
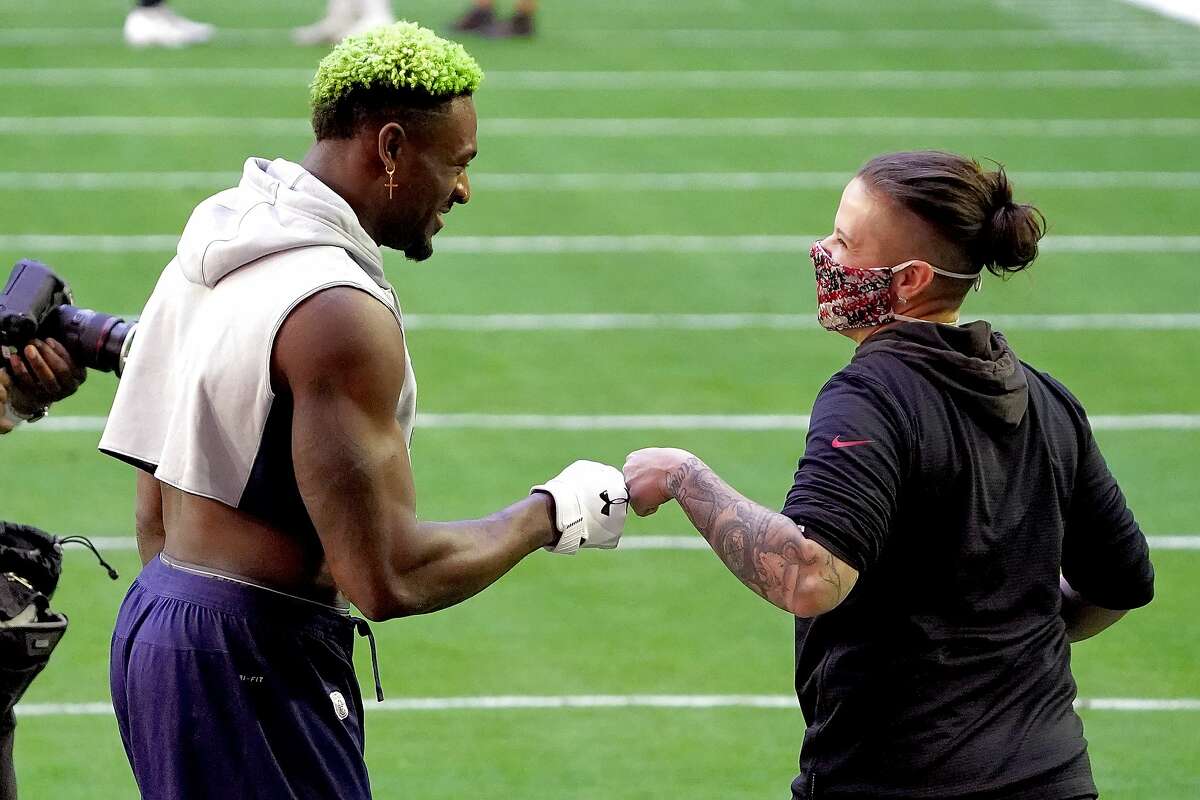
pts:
[339, 335]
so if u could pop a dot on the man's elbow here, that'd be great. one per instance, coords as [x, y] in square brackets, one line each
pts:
[380, 603]
[148, 525]
[385, 597]
[376, 612]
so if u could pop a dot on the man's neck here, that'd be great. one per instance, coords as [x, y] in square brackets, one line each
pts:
[325, 161]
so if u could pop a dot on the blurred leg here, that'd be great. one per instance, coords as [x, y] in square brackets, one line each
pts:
[340, 17]
[519, 25]
[374, 13]
[477, 18]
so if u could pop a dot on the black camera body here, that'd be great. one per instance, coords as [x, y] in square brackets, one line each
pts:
[37, 303]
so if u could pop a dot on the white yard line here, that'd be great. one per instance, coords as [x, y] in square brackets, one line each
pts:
[1185, 10]
[1153, 41]
[676, 542]
[1189, 541]
[610, 243]
[566, 702]
[1145, 422]
[633, 127]
[1137, 704]
[1086, 33]
[475, 323]
[644, 422]
[722, 322]
[596, 181]
[627, 80]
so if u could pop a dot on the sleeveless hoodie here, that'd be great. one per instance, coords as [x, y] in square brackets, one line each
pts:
[195, 406]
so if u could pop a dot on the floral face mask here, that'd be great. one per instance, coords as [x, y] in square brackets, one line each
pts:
[854, 297]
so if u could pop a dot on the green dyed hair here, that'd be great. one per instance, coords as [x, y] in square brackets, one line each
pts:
[392, 70]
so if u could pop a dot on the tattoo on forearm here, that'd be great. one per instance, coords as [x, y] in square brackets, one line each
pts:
[764, 549]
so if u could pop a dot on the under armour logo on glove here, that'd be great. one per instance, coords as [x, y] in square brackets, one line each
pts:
[591, 503]
[608, 504]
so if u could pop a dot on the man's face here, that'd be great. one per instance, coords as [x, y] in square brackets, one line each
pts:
[431, 173]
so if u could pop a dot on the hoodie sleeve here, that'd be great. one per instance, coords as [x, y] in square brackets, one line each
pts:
[847, 484]
[1105, 555]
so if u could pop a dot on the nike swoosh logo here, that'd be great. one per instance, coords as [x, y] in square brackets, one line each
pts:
[837, 442]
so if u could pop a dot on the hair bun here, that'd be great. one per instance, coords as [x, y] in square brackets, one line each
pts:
[1009, 239]
[1001, 189]
[968, 208]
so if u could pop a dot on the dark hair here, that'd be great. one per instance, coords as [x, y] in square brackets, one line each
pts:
[345, 116]
[968, 207]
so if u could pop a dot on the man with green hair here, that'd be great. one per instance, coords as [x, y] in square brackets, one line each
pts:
[268, 408]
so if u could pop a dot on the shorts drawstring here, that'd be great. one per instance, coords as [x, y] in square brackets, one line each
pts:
[363, 629]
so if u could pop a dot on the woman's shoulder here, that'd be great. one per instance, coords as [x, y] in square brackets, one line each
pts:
[1052, 386]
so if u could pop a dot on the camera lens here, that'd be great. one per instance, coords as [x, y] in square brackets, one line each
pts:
[94, 339]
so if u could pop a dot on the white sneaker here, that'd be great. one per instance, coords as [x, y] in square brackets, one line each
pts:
[369, 22]
[198, 28]
[340, 17]
[159, 26]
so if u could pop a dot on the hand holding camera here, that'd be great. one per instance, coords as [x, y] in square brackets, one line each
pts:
[41, 374]
[37, 304]
[47, 344]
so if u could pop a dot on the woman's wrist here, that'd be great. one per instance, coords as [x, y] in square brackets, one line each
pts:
[674, 477]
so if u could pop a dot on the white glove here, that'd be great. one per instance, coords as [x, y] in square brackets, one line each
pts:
[590, 504]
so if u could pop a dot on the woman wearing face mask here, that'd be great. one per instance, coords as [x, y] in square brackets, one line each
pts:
[952, 525]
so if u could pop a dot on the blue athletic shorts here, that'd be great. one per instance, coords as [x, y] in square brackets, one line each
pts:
[228, 690]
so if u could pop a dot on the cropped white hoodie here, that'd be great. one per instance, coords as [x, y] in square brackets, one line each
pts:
[195, 405]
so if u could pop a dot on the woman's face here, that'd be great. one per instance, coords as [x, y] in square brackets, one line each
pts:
[870, 230]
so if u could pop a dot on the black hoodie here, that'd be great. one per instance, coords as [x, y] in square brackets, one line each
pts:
[959, 482]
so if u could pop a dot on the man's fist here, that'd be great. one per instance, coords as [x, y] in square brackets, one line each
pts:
[589, 506]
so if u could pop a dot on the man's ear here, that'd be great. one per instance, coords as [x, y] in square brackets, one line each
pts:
[392, 144]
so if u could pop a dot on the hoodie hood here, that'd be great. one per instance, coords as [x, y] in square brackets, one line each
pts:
[973, 363]
[277, 206]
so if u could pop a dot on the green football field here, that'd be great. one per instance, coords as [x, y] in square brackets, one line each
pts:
[632, 270]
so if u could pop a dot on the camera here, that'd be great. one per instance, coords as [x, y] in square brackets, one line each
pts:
[37, 303]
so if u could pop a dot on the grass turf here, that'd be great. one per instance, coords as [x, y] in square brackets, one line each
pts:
[663, 622]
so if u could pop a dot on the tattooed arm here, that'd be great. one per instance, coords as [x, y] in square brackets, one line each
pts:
[765, 550]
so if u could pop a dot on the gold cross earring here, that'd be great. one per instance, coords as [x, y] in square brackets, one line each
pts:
[391, 184]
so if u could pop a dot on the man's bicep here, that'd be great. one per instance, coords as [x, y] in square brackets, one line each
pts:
[347, 456]
[341, 355]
